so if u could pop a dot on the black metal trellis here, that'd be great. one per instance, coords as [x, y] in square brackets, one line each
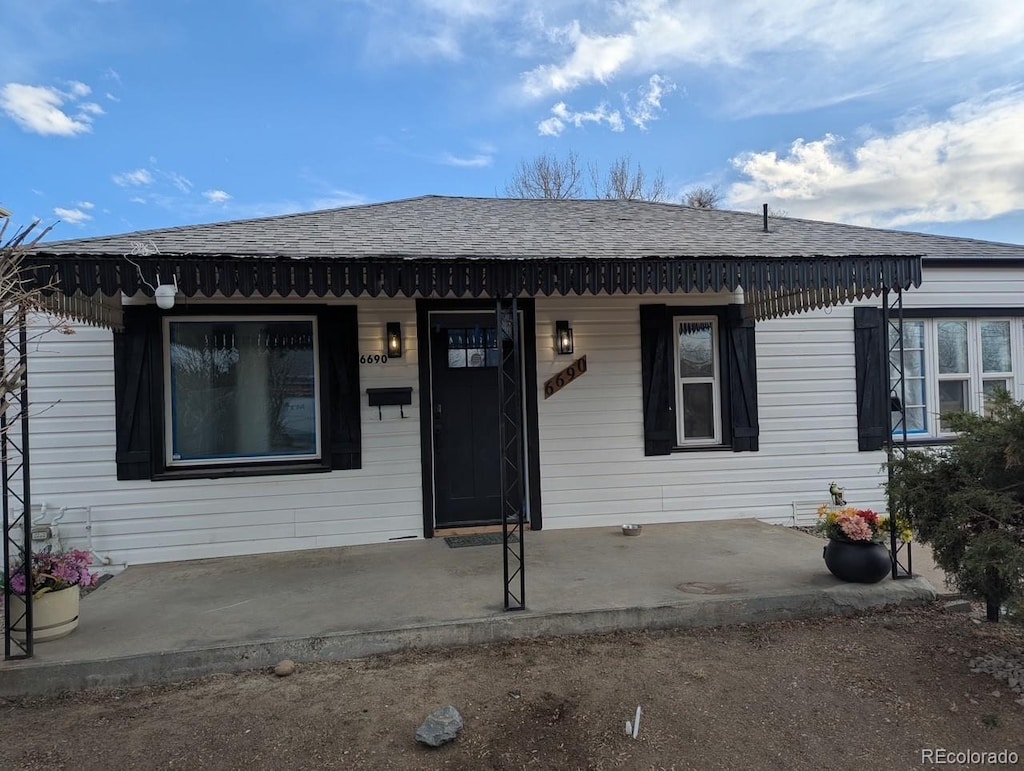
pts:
[510, 434]
[17, 498]
[896, 444]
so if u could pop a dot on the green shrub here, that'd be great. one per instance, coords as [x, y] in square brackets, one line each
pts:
[967, 501]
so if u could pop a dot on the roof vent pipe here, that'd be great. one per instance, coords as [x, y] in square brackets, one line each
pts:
[765, 218]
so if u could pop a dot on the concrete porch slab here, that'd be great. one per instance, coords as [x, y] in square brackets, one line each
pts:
[176, 621]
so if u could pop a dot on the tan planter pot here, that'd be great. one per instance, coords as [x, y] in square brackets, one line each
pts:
[54, 615]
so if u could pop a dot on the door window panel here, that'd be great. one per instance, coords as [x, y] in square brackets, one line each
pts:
[472, 347]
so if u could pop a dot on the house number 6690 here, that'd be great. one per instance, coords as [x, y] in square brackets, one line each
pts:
[373, 358]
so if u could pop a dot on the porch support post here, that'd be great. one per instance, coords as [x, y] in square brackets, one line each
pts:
[14, 462]
[896, 444]
[510, 435]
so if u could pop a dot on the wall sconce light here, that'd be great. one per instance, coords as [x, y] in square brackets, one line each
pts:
[394, 339]
[563, 337]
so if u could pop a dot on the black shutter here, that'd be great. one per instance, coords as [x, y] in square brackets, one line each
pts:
[656, 365]
[339, 346]
[869, 348]
[136, 354]
[741, 379]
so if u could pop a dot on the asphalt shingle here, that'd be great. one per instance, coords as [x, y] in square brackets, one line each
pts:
[447, 227]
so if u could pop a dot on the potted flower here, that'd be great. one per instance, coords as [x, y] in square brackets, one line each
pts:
[55, 581]
[855, 550]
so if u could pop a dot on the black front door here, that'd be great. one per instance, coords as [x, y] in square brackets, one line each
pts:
[464, 374]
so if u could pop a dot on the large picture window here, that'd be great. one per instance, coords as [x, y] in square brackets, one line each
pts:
[237, 390]
[955, 365]
[241, 388]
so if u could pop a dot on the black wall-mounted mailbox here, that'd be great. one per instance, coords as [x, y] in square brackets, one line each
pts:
[386, 397]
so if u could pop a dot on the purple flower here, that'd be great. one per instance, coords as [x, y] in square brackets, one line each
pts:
[53, 572]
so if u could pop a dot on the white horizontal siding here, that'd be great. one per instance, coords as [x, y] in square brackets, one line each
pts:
[593, 468]
[71, 387]
[968, 287]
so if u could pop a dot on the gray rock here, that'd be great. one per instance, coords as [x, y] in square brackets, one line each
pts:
[440, 727]
[958, 606]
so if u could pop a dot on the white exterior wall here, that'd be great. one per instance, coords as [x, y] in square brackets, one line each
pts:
[968, 288]
[71, 388]
[593, 470]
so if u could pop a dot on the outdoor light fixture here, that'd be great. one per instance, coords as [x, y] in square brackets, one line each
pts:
[165, 293]
[563, 337]
[394, 339]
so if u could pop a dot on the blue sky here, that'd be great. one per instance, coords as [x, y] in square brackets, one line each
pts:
[118, 115]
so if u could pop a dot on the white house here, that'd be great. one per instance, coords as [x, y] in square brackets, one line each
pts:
[735, 366]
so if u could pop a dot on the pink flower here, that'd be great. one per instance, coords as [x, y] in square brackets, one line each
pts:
[855, 528]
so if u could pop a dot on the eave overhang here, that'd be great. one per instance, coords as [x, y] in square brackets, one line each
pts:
[772, 286]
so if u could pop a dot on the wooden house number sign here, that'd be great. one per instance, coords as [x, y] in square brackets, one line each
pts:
[557, 382]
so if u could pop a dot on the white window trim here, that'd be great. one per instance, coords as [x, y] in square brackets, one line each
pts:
[967, 377]
[715, 380]
[1015, 360]
[238, 459]
[975, 377]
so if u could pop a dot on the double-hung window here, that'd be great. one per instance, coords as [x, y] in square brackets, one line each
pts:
[699, 376]
[241, 388]
[698, 381]
[955, 365]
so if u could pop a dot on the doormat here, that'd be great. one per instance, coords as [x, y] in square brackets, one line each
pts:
[480, 539]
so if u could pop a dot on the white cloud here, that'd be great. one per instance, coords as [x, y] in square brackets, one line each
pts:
[91, 108]
[550, 127]
[594, 58]
[335, 199]
[182, 183]
[137, 178]
[773, 57]
[472, 162]
[968, 165]
[562, 117]
[137, 199]
[648, 106]
[72, 216]
[85, 205]
[216, 196]
[78, 89]
[464, 9]
[37, 109]
[111, 97]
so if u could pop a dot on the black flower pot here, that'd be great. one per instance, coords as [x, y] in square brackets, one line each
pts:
[859, 562]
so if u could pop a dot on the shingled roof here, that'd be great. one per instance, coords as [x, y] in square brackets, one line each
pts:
[438, 246]
[439, 227]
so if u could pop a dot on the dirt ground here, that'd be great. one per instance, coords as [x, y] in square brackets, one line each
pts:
[865, 692]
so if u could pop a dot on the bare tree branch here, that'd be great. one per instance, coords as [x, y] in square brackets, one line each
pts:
[624, 182]
[18, 299]
[703, 197]
[547, 176]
